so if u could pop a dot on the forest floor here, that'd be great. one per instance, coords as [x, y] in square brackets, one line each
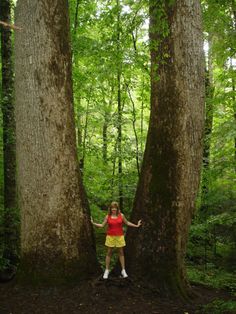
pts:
[115, 295]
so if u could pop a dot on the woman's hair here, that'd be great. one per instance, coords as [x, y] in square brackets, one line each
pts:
[113, 204]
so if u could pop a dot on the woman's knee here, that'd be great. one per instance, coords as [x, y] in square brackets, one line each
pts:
[109, 252]
[121, 251]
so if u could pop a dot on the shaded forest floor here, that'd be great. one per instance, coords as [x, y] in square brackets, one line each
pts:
[115, 295]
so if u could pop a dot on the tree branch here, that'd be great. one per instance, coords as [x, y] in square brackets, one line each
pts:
[10, 26]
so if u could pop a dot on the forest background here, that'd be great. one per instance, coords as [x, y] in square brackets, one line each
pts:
[112, 116]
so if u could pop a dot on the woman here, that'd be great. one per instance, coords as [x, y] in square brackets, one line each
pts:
[115, 235]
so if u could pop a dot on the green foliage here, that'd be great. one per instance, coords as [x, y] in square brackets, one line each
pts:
[9, 238]
[108, 38]
[3, 262]
[113, 39]
[213, 241]
[1, 161]
[212, 277]
[219, 307]
[219, 27]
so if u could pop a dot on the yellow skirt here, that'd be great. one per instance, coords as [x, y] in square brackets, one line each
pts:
[115, 241]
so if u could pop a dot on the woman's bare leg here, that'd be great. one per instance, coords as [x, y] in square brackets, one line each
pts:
[121, 257]
[108, 257]
[122, 262]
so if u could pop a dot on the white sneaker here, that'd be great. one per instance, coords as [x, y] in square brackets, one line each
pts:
[124, 274]
[106, 273]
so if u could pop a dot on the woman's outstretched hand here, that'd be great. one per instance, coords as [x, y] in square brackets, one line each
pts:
[91, 219]
[139, 223]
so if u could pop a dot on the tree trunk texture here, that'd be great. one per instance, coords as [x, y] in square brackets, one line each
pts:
[57, 243]
[167, 189]
[9, 145]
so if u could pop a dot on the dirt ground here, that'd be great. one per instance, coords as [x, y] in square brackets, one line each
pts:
[115, 295]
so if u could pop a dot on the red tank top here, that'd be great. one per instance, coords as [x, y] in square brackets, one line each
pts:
[115, 226]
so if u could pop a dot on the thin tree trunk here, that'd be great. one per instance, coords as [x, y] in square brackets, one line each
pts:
[78, 126]
[167, 189]
[207, 131]
[113, 170]
[233, 8]
[120, 142]
[9, 150]
[82, 160]
[76, 16]
[141, 122]
[78, 122]
[234, 110]
[106, 123]
[135, 132]
[119, 106]
[57, 243]
[104, 137]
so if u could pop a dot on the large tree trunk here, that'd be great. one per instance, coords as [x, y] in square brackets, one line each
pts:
[56, 236]
[166, 193]
[9, 151]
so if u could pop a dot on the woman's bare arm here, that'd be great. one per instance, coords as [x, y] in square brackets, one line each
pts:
[99, 225]
[130, 224]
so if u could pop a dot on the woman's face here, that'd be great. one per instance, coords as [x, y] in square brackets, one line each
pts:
[113, 210]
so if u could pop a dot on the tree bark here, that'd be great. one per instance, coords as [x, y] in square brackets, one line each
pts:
[166, 193]
[9, 149]
[57, 243]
